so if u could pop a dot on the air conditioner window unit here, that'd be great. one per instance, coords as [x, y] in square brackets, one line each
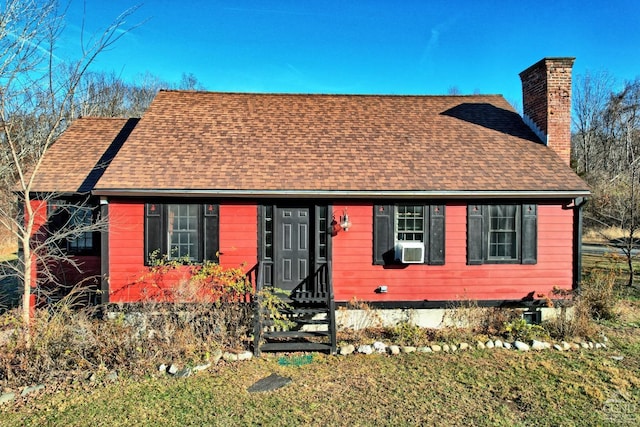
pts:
[410, 252]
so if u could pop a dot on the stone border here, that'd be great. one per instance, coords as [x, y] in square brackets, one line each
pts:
[379, 347]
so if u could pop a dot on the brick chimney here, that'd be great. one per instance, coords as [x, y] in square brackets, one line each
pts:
[546, 101]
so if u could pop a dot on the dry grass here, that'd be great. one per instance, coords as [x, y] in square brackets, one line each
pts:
[603, 235]
[502, 388]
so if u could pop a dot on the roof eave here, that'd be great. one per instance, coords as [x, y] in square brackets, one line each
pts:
[346, 194]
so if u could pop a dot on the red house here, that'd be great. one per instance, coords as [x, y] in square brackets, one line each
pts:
[400, 201]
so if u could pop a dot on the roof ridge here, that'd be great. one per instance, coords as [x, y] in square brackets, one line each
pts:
[364, 95]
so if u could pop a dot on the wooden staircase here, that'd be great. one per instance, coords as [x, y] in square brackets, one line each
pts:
[311, 319]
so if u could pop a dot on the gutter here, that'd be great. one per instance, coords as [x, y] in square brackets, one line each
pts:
[343, 194]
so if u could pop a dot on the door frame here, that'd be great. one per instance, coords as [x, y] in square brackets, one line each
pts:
[320, 222]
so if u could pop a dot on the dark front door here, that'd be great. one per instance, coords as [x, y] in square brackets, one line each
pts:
[292, 253]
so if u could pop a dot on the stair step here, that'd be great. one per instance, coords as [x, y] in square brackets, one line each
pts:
[295, 346]
[304, 310]
[295, 334]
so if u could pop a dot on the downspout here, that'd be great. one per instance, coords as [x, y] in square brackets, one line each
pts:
[578, 204]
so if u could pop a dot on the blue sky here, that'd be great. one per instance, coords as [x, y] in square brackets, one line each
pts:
[364, 47]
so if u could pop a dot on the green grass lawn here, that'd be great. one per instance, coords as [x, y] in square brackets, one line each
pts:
[488, 387]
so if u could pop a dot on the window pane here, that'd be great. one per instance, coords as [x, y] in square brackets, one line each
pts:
[80, 217]
[409, 222]
[182, 228]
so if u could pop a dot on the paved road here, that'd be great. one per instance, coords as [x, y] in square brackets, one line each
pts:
[603, 249]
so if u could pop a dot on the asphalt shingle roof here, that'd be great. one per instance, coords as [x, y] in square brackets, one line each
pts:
[277, 142]
[75, 162]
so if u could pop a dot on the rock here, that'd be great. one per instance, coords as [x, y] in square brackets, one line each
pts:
[590, 344]
[424, 349]
[111, 376]
[365, 349]
[454, 348]
[183, 373]
[7, 397]
[604, 338]
[463, 346]
[6, 335]
[436, 348]
[162, 368]
[489, 344]
[598, 345]
[245, 355]
[584, 345]
[393, 349]
[603, 345]
[558, 347]
[521, 346]
[498, 344]
[216, 356]
[173, 369]
[408, 349]
[575, 346]
[480, 345]
[229, 357]
[565, 345]
[347, 349]
[31, 389]
[380, 347]
[446, 348]
[537, 345]
[92, 377]
[199, 368]
[618, 358]
[507, 345]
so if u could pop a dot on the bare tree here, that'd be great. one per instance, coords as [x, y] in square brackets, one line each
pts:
[37, 90]
[609, 137]
[590, 96]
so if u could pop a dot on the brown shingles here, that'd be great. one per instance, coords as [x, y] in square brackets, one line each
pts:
[75, 161]
[225, 141]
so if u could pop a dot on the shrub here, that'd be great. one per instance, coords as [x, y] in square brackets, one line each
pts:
[597, 299]
[599, 295]
[406, 333]
[212, 311]
[520, 330]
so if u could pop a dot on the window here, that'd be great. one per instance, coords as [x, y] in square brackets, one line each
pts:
[403, 222]
[181, 231]
[502, 234]
[74, 221]
[409, 222]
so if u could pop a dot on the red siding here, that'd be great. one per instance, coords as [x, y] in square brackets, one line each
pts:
[355, 275]
[353, 272]
[238, 246]
[87, 273]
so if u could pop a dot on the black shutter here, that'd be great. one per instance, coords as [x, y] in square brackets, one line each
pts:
[211, 231]
[475, 234]
[436, 235]
[529, 234]
[383, 236]
[153, 231]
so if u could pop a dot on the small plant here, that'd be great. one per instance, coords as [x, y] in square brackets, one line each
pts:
[272, 306]
[357, 319]
[520, 330]
[599, 295]
[406, 333]
[464, 313]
